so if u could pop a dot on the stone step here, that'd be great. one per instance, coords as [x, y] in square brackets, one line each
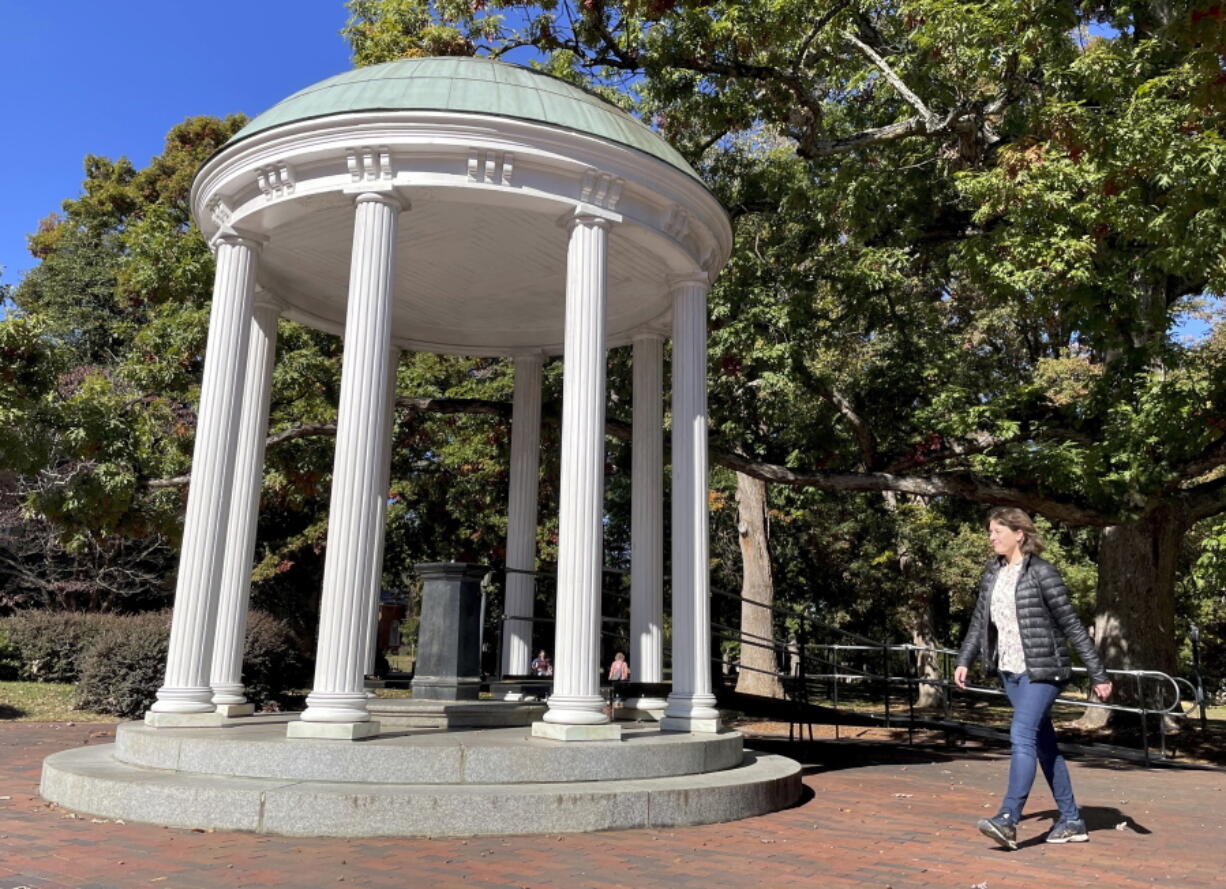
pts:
[91, 780]
[258, 748]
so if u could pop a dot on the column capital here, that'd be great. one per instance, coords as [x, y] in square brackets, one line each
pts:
[227, 234]
[536, 357]
[588, 214]
[373, 195]
[266, 300]
[649, 335]
[697, 279]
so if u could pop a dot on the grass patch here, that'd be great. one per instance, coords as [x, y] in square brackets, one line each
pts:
[43, 702]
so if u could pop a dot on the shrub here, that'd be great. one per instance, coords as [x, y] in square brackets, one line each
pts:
[125, 666]
[272, 661]
[127, 663]
[49, 645]
[10, 658]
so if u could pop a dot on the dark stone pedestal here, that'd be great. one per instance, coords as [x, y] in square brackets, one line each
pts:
[449, 636]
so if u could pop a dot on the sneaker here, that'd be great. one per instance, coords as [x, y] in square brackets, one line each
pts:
[1001, 828]
[1068, 832]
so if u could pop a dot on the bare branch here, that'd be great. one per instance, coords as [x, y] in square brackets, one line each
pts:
[822, 21]
[903, 90]
[627, 58]
[912, 126]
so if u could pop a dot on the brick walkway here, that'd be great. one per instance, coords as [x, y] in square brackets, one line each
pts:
[876, 817]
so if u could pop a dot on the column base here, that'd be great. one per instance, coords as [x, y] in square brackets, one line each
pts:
[631, 713]
[646, 702]
[332, 731]
[690, 724]
[183, 720]
[556, 732]
[229, 710]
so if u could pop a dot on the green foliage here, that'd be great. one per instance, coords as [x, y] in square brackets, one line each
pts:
[49, 646]
[272, 659]
[122, 671]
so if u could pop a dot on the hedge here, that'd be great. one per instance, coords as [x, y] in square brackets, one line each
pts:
[48, 646]
[119, 661]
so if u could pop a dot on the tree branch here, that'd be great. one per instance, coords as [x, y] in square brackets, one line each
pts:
[912, 126]
[964, 485]
[822, 21]
[1206, 500]
[903, 90]
[1211, 457]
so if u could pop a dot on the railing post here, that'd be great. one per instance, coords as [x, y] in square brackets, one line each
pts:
[837, 724]
[911, 694]
[1144, 721]
[1200, 684]
[885, 679]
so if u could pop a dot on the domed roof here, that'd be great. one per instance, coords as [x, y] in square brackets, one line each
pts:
[474, 85]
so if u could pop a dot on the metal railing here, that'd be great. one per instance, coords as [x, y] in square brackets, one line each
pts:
[847, 670]
[852, 670]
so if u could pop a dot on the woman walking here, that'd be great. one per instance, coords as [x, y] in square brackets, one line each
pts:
[1019, 624]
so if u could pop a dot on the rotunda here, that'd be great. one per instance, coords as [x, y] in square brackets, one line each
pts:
[467, 206]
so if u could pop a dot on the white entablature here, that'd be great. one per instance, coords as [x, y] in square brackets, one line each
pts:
[482, 253]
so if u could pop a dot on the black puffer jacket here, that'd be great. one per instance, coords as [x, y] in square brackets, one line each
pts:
[1045, 618]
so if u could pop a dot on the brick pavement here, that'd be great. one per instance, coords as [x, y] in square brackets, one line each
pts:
[877, 817]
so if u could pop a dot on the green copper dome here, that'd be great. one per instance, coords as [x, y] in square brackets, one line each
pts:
[474, 85]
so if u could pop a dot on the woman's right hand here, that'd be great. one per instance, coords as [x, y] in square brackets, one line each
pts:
[960, 677]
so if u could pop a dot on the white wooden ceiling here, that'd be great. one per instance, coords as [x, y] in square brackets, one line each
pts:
[469, 277]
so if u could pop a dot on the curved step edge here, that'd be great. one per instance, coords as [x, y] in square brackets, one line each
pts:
[89, 779]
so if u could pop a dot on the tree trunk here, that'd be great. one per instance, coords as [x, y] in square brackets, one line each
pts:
[1134, 621]
[920, 623]
[759, 667]
[918, 618]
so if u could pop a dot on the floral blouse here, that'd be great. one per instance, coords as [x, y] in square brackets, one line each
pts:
[1010, 657]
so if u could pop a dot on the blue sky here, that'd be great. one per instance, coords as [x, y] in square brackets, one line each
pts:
[112, 78]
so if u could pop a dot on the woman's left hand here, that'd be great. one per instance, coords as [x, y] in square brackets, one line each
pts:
[1103, 690]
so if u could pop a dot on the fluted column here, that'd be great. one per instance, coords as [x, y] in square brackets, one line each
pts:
[691, 705]
[385, 462]
[227, 669]
[576, 697]
[647, 518]
[521, 515]
[338, 699]
[186, 689]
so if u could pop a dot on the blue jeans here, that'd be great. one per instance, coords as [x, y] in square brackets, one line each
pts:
[1034, 740]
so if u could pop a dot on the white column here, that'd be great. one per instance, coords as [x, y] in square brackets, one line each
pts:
[336, 706]
[691, 705]
[227, 671]
[647, 518]
[521, 514]
[385, 461]
[186, 689]
[575, 701]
